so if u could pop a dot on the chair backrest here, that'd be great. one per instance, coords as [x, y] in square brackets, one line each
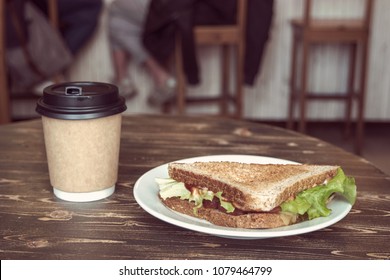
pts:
[366, 17]
[220, 34]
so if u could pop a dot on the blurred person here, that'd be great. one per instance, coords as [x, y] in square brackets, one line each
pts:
[77, 22]
[126, 26]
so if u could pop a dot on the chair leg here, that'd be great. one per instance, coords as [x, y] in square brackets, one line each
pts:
[225, 64]
[361, 101]
[303, 85]
[351, 89]
[181, 83]
[5, 115]
[240, 81]
[292, 97]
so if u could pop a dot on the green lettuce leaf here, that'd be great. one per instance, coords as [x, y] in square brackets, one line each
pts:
[313, 201]
[171, 188]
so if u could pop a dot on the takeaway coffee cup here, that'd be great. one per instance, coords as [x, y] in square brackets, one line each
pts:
[82, 126]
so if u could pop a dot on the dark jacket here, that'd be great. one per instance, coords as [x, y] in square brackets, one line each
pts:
[166, 17]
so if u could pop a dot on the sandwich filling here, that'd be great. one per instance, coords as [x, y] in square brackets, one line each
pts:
[201, 197]
[311, 202]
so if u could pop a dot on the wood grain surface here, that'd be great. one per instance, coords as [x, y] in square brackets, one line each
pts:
[34, 224]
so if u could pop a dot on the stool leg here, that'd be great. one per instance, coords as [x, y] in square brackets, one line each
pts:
[180, 88]
[292, 97]
[5, 114]
[361, 100]
[240, 80]
[225, 64]
[351, 89]
[303, 90]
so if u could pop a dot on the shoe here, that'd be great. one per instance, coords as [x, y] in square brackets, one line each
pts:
[127, 89]
[38, 89]
[163, 94]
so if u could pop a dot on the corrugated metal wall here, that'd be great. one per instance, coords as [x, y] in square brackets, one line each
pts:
[267, 99]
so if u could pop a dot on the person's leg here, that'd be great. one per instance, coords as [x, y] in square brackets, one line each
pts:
[120, 63]
[165, 84]
[125, 30]
[158, 73]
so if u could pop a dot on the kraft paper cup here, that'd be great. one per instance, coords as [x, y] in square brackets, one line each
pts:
[82, 128]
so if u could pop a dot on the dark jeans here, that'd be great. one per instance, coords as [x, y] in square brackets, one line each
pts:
[78, 20]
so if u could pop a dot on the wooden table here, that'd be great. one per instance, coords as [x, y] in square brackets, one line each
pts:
[36, 225]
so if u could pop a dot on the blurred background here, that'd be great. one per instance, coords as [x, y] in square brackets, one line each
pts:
[267, 100]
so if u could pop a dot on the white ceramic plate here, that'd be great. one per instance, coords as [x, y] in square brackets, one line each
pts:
[146, 195]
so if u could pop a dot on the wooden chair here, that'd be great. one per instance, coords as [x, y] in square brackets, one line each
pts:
[5, 102]
[225, 36]
[309, 32]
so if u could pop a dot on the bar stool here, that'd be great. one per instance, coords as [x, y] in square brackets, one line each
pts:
[5, 98]
[225, 36]
[308, 32]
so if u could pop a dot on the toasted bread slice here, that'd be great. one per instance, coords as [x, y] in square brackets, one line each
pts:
[217, 217]
[252, 187]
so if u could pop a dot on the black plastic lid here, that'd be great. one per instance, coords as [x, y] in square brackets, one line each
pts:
[80, 101]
